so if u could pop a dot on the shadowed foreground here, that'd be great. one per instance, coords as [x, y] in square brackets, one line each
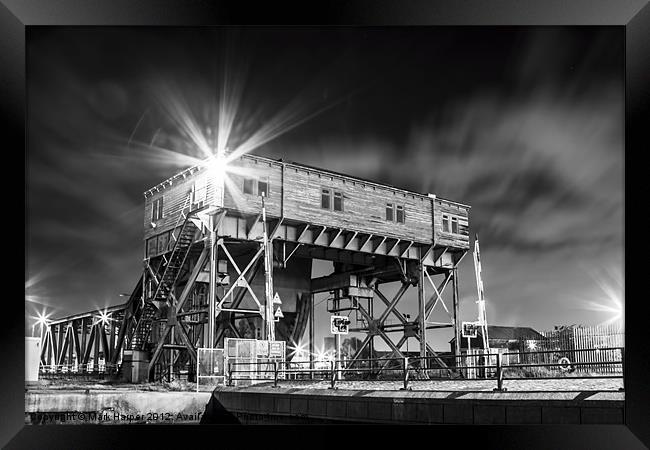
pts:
[215, 413]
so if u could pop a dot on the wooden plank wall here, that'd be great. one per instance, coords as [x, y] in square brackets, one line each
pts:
[364, 202]
[460, 240]
[269, 171]
[174, 197]
[364, 205]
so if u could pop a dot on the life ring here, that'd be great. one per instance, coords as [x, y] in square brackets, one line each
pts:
[565, 364]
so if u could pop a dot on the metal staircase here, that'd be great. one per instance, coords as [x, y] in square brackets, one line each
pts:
[165, 283]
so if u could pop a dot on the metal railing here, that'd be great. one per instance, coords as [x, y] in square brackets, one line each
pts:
[73, 370]
[541, 365]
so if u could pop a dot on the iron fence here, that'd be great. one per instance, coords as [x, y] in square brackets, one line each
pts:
[52, 371]
[546, 365]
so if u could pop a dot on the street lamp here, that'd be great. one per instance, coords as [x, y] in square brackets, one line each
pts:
[41, 320]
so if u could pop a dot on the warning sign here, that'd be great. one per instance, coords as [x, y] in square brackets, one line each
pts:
[262, 349]
[470, 329]
[276, 299]
[276, 348]
[278, 313]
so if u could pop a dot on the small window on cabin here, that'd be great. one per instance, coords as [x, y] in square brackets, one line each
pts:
[338, 201]
[157, 209]
[152, 246]
[325, 200]
[163, 241]
[454, 225]
[263, 188]
[400, 214]
[249, 186]
[389, 211]
[199, 190]
[445, 224]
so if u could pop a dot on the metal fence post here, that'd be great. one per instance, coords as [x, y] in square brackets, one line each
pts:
[275, 374]
[333, 374]
[406, 373]
[499, 374]
[229, 374]
[623, 367]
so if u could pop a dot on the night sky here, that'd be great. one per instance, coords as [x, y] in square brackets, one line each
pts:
[523, 124]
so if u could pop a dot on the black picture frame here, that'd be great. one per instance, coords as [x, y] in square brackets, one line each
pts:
[634, 15]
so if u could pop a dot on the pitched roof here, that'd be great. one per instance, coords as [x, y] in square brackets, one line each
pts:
[510, 333]
[499, 332]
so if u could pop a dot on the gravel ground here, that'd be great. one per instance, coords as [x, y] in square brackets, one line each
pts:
[523, 385]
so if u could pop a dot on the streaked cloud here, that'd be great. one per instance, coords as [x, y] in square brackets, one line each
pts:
[531, 138]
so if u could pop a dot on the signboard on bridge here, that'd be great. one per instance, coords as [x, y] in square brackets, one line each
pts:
[262, 349]
[470, 329]
[276, 349]
[339, 324]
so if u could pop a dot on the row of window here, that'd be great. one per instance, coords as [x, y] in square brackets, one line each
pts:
[326, 200]
[445, 224]
[253, 186]
[330, 200]
[333, 200]
[160, 243]
[394, 213]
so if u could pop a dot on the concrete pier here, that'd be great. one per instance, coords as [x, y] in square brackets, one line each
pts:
[119, 406]
[293, 405]
[132, 404]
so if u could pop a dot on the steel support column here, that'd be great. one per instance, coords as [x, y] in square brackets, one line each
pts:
[457, 325]
[311, 332]
[422, 309]
[212, 293]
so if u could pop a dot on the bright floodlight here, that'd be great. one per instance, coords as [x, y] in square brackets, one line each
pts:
[320, 355]
[298, 349]
[610, 298]
[217, 166]
[532, 345]
[104, 318]
[41, 319]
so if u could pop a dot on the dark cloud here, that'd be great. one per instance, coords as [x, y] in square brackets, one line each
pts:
[523, 125]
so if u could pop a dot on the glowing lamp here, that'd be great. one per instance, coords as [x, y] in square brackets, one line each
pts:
[217, 166]
[103, 318]
[41, 319]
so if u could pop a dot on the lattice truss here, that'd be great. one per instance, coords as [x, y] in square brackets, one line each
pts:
[437, 296]
[167, 313]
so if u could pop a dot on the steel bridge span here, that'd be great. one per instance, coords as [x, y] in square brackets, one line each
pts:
[208, 263]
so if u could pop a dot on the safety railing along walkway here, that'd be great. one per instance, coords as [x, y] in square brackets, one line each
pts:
[488, 367]
[90, 370]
